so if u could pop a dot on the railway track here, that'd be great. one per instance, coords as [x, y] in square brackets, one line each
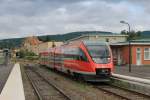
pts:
[109, 89]
[44, 89]
[122, 93]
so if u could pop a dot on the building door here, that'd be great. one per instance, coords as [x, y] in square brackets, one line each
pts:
[119, 57]
[138, 56]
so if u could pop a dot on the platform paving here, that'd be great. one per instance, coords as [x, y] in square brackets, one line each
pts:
[136, 71]
[4, 73]
[13, 89]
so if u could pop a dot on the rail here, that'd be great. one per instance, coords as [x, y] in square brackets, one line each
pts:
[48, 82]
[123, 93]
[34, 87]
[112, 93]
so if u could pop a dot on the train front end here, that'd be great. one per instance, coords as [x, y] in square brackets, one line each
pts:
[100, 58]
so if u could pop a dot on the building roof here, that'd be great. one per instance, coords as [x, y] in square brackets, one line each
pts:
[102, 35]
[133, 42]
[142, 40]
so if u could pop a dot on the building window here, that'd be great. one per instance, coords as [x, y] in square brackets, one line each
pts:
[146, 53]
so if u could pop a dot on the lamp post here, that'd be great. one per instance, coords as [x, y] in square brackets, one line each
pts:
[123, 22]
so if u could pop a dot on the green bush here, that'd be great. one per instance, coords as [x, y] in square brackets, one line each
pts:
[31, 57]
[27, 55]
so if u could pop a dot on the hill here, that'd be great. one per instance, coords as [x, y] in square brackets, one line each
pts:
[16, 42]
[145, 34]
[11, 43]
[67, 36]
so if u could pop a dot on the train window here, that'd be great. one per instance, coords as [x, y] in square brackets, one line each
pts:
[74, 54]
[82, 56]
[99, 53]
[70, 53]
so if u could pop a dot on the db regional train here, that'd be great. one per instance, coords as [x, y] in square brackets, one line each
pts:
[91, 60]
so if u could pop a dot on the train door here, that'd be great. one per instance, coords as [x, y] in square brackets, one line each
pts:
[81, 62]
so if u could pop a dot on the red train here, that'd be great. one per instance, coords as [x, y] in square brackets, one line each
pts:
[91, 60]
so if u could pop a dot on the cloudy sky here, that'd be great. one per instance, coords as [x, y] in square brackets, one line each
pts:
[19, 18]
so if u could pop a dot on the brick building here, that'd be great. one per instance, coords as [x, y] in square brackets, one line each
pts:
[140, 52]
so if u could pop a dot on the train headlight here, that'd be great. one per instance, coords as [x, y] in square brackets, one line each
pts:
[108, 59]
[102, 71]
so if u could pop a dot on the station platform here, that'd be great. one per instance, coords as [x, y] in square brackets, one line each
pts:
[137, 80]
[13, 88]
[136, 71]
[4, 73]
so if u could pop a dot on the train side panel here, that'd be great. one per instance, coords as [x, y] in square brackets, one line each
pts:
[76, 59]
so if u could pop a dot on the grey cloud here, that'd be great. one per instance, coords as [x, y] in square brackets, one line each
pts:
[32, 7]
[36, 17]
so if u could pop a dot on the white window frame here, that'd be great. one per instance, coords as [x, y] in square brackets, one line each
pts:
[148, 52]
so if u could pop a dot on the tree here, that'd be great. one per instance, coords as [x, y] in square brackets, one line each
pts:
[124, 32]
[139, 33]
[132, 34]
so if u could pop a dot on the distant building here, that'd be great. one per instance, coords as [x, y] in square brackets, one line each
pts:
[32, 44]
[112, 38]
[46, 45]
[14, 52]
[140, 52]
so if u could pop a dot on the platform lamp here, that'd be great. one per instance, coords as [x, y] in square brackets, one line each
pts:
[123, 22]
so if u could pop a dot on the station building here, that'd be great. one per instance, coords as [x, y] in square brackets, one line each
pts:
[140, 52]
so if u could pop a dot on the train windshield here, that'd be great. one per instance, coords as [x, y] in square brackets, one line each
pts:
[99, 53]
